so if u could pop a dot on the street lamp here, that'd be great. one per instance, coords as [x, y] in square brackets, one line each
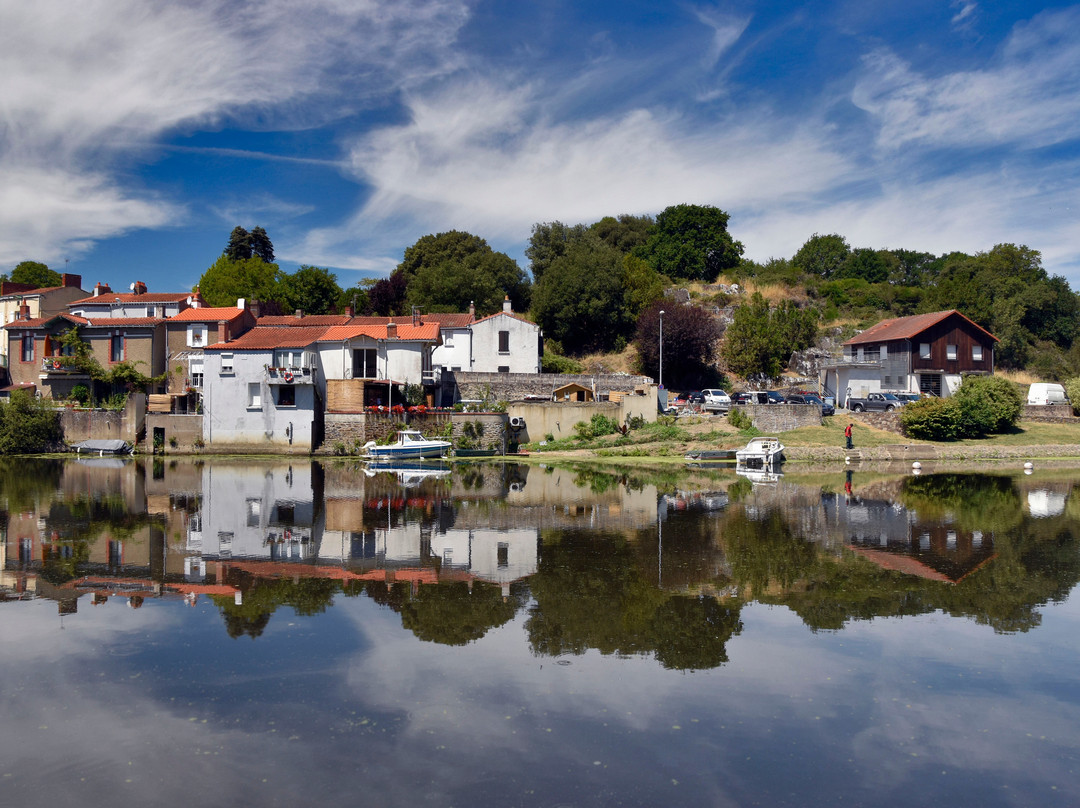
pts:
[661, 349]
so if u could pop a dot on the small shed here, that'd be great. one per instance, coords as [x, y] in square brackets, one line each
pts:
[573, 392]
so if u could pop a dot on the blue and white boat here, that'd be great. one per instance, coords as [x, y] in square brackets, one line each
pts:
[409, 443]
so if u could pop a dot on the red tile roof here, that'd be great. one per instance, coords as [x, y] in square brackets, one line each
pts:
[507, 314]
[123, 322]
[207, 314]
[446, 320]
[40, 322]
[263, 338]
[909, 327]
[128, 297]
[305, 321]
[428, 332]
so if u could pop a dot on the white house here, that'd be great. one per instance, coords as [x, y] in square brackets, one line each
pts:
[134, 304]
[504, 342]
[262, 390]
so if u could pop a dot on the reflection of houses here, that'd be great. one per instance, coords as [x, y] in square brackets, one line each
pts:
[927, 353]
[893, 537]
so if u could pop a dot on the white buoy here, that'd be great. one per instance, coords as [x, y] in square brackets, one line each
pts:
[916, 472]
[916, 465]
[1029, 465]
[847, 459]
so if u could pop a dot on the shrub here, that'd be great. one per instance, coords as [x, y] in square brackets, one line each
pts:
[932, 419]
[1072, 390]
[28, 425]
[597, 426]
[739, 419]
[553, 363]
[80, 393]
[988, 405]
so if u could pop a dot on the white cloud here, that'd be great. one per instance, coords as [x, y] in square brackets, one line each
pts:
[90, 87]
[1030, 97]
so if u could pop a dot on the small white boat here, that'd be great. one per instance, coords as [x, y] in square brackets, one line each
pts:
[409, 443]
[761, 453]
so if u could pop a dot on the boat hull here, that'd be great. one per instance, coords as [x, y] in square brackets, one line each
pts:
[405, 452]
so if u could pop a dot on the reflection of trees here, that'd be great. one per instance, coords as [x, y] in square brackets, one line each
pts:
[25, 483]
[590, 593]
[974, 501]
[451, 614]
[263, 596]
[762, 552]
[1036, 561]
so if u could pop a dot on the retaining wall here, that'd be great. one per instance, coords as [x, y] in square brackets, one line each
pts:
[772, 418]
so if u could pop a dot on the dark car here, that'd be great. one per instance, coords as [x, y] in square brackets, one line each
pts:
[812, 398]
[774, 397]
[696, 397]
[752, 397]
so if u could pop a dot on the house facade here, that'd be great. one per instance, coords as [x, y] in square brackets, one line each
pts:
[188, 333]
[925, 353]
[36, 303]
[506, 343]
[261, 390]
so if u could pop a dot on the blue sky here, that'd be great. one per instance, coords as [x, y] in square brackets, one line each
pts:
[135, 135]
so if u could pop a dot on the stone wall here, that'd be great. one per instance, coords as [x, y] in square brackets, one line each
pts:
[183, 430]
[459, 385]
[1048, 412]
[85, 424]
[772, 418]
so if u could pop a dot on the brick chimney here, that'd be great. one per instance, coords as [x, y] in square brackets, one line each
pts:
[101, 289]
[349, 311]
[417, 320]
[472, 309]
[391, 330]
[24, 311]
[138, 288]
[67, 280]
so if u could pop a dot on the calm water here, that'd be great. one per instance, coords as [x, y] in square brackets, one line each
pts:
[275, 633]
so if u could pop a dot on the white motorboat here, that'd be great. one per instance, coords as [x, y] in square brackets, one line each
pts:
[761, 453]
[409, 443]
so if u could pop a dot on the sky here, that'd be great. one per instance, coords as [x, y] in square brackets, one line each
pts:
[134, 135]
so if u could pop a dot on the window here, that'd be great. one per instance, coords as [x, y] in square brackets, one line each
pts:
[950, 352]
[116, 349]
[884, 352]
[28, 348]
[226, 364]
[503, 554]
[196, 336]
[976, 353]
[504, 342]
[286, 396]
[504, 368]
[364, 363]
[254, 395]
[924, 350]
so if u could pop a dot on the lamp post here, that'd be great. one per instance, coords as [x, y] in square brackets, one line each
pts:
[661, 349]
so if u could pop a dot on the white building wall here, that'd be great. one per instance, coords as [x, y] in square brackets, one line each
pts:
[455, 351]
[524, 353]
[228, 418]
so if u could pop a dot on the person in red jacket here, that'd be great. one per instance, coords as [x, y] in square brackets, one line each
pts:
[847, 434]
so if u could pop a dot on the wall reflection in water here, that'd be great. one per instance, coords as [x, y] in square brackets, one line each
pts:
[631, 563]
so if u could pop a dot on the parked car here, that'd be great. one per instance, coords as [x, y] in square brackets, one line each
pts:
[812, 398]
[1045, 393]
[695, 397]
[875, 402]
[774, 397]
[907, 398]
[716, 400]
[754, 397]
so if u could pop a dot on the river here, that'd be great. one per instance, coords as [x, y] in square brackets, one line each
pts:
[279, 632]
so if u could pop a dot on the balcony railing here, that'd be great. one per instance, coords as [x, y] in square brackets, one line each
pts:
[291, 375]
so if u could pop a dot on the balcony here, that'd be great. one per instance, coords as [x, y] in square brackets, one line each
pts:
[291, 375]
[849, 359]
[56, 366]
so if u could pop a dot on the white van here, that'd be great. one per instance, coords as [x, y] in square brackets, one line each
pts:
[1046, 393]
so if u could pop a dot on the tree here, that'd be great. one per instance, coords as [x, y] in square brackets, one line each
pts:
[261, 245]
[760, 339]
[690, 339]
[988, 405]
[822, 255]
[692, 242]
[642, 285]
[28, 425]
[624, 232]
[35, 273]
[386, 297]
[579, 299]
[239, 246]
[311, 289]
[549, 241]
[249, 278]
[447, 271]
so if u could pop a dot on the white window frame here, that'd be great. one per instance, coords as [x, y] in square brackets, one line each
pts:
[254, 396]
[227, 364]
[197, 335]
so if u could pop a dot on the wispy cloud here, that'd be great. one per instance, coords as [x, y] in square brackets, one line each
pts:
[86, 88]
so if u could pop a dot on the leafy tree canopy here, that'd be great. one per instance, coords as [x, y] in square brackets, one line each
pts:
[692, 242]
[447, 271]
[691, 335]
[761, 339]
[822, 255]
[549, 241]
[624, 232]
[36, 273]
[311, 289]
[243, 245]
[249, 278]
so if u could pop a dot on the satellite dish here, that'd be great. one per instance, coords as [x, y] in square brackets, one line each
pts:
[132, 287]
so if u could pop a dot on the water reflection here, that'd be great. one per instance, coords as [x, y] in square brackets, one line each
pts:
[630, 563]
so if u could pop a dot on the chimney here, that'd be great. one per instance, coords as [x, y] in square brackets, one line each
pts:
[101, 289]
[472, 309]
[138, 288]
[255, 309]
[506, 304]
[223, 330]
[391, 330]
[24, 311]
[73, 281]
[241, 303]
[416, 320]
[349, 311]
[299, 314]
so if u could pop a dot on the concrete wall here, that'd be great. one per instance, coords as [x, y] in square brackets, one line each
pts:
[80, 425]
[518, 386]
[1048, 412]
[524, 353]
[543, 418]
[186, 430]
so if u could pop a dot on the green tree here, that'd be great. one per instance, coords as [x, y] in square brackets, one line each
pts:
[447, 271]
[239, 246]
[28, 425]
[260, 244]
[249, 278]
[691, 335]
[760, 339]
[692, 242]
[579, 298]
[624, 232]
[311, 289]
[642, 285]
[36, 273]
[822, 255]
[548, 242]
[988, 405]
